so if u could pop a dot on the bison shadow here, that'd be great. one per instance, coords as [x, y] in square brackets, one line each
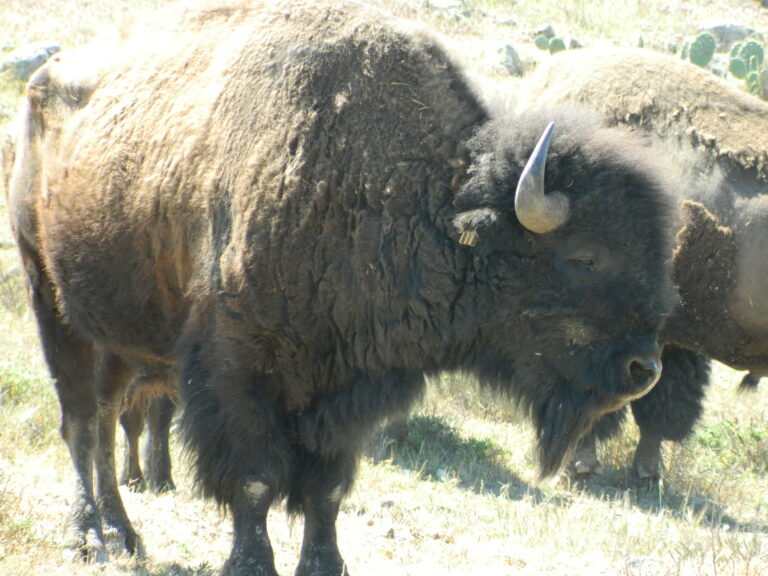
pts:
[655, 497]
[175, 569]
[435, 451]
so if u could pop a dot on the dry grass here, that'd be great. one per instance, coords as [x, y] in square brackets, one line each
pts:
[459, 497]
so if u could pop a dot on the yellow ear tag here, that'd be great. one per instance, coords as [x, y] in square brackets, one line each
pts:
[469, 238]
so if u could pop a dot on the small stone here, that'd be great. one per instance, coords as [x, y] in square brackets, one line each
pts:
[548, 32]
[727, 34]
[445, 4]
[512, 61]
[23, 61]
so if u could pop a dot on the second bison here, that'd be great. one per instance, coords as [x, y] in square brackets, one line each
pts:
[302, 208]
[718, 135]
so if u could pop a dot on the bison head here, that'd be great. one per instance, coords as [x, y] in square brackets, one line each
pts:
[570, 240]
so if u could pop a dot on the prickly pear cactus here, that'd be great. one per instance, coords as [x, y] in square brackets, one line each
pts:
[737, 67]
[556, 45]
[754, 86]
[541, 43]
[702, 49]
[752, 53]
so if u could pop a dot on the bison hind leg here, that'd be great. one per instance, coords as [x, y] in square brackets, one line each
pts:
[157, 455]
[112, 377]
[70, 360]
[132, 422]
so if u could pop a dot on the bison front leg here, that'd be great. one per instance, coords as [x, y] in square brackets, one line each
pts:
[670, 410]
[113, 376]
[319, 484]
[252, 553]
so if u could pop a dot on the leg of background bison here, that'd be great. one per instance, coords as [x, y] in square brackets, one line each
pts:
[112, 377]
[132, 422]
[396, 428]
[671, 409]
[319, 484]
[749, 382]
[668, 412]
[585, 461]
[157, 457]
[70, 361]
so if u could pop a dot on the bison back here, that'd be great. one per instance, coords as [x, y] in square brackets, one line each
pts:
[250, 144]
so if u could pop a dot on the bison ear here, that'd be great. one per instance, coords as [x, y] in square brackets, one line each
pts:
[469, 223]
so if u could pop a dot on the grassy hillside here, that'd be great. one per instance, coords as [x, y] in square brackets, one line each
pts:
[460, 496]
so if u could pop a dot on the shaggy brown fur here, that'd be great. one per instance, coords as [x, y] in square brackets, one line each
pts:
[269, 200]
[662, 95]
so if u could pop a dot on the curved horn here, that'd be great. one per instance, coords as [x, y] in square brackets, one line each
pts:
[537, 211]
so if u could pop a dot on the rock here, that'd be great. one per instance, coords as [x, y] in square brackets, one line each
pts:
[23, 61]
[512, 61]
[453, 9]
[726, 35]
[548, 32]
[445, 4]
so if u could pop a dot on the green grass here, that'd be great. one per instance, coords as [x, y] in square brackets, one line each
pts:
[734, 444]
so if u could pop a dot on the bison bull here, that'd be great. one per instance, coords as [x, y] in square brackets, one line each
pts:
[302, 208]
[719, 137]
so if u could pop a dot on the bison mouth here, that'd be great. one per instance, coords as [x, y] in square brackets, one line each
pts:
[560, 424]
[564, 416]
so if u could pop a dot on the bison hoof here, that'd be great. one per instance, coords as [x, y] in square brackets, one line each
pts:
[166, 487]
[89, 547]
[321, 569]
[247, 568]
[162, 486]
[119, 530]
[136, 485]
[647, 470]
[647, 463]
[585, 463]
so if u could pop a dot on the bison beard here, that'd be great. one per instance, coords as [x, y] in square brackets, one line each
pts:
[302, 209]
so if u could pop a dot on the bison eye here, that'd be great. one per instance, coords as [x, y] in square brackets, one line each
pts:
[584, 262]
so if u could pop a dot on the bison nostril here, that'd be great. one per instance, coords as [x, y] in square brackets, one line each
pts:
[643, 373]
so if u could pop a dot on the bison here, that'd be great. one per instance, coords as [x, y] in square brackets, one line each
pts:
[719, 136]
[300, 209]
[149, 401]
